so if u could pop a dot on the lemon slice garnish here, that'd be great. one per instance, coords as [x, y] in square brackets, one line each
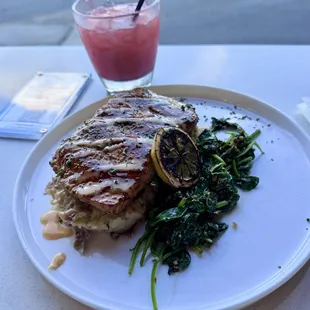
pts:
[175, 157]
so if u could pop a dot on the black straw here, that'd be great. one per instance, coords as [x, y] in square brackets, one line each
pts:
[138, 8]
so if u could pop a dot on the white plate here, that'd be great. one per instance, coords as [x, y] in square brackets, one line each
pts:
[240, 269]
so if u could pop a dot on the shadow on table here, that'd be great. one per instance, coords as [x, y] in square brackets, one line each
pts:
[272, 301]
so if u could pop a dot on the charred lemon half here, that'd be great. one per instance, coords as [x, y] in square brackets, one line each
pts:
[175, 157]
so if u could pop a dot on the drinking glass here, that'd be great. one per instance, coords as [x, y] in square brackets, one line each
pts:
[121, 43]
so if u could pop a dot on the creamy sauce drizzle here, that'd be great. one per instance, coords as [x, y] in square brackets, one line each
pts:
[73, 177]
[102, 143]
[129, 166]
[110, 199]
[83, 153]
[125, 109]
[114, 147]
[93, 188]
[57, 261]
[155, 101]
[162, 120]
[52, 229]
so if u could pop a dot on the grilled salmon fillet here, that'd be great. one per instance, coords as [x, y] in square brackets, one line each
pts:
[105, 179]
[106, 163]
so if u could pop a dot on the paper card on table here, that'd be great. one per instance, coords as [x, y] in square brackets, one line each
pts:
[41, 104]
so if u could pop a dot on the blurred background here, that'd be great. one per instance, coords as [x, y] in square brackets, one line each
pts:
[49, 22]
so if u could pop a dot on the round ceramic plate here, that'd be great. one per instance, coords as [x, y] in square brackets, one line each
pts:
[269, 246]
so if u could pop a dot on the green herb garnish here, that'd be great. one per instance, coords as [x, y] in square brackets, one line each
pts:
[60, 173]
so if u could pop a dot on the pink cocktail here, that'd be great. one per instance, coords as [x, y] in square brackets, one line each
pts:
[121, 43]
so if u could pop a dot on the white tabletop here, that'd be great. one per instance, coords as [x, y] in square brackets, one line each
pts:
[278, 75]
